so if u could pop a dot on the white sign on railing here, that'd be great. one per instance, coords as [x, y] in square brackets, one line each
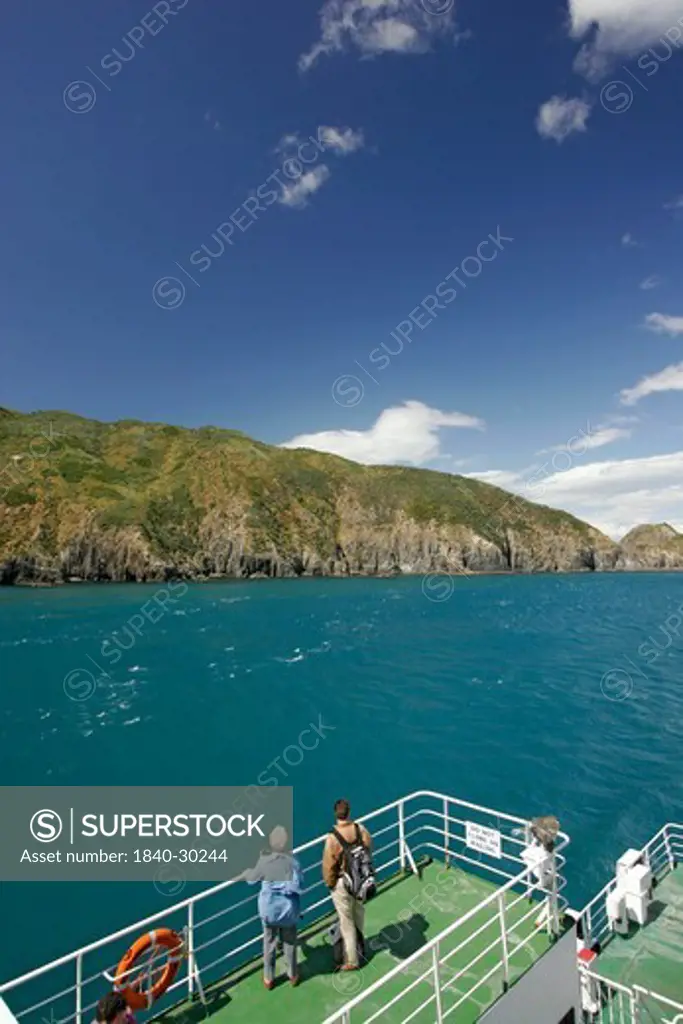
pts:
[485, 840]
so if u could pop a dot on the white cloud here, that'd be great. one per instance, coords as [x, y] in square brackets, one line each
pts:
[614, 496]
[621, 419]
[653, 281]
[393, 35]
[663, 324]
[675, 204]
[407, 433]
[628, 241]
[668, 379]
[298, 193]
[302, 184]
[618, 495]
[288, 143]
[507, 479]
[341, 141]
[560, 117]
[597, 438]
[605, 435]
[380, 26]
[618, 28]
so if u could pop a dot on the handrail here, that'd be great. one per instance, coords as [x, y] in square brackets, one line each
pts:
[633, 991]
[663, 835]
[61, 961]
[617, 985]
[659, 998]
[663, 853]
[524, 877]
[190, 901]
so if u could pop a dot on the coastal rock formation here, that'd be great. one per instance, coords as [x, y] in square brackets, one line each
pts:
[651, 547]
[131, 501]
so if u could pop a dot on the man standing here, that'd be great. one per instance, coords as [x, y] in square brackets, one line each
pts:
[348, 873]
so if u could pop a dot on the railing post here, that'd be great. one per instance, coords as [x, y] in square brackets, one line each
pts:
[437, 982]
[669, 853]
[401, 835]
[79, 989]
[588, 928]
[190, 950]
[446, 833]
[504, 941]
[634, 1003]
[551, 898]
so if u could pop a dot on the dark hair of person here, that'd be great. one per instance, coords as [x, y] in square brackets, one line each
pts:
[342, 809]
[110, 1006]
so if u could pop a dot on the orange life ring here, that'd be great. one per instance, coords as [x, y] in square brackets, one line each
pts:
[131, 989]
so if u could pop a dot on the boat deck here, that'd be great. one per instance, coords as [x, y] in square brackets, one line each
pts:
[651, 956]
[407, 912]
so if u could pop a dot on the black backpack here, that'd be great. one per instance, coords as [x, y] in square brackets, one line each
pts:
[334, 937]
[359, 874]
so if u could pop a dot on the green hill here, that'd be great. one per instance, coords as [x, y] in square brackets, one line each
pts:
[135, 501]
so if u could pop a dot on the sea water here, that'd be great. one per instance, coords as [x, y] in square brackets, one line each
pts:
[531, 694]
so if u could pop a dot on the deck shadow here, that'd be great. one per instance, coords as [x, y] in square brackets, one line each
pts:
[401, 939]
[655, 910]
[315, 960]
[196, 1012]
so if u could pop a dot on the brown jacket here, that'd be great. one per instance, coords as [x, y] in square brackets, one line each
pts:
[333, 855]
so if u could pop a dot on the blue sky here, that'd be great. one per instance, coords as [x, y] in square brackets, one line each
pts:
[493, 193]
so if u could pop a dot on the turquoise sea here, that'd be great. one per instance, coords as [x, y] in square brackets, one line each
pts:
[546, 694]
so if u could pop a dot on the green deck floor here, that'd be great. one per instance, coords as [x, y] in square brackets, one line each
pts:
[651, 956]
[424, 907]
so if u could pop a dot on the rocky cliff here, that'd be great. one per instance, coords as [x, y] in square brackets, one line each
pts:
[656, 546]
[86, 500]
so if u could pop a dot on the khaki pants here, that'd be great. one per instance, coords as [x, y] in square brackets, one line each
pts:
[351, 916]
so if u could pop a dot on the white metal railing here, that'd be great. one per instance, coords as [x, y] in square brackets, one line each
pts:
[610, 1002]
[606, 1001]
[662, 852]
[647, 1001]
[497, 907]
[223, 931]
[615, 1003]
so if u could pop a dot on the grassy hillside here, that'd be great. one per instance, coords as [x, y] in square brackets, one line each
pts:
[137, 500]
